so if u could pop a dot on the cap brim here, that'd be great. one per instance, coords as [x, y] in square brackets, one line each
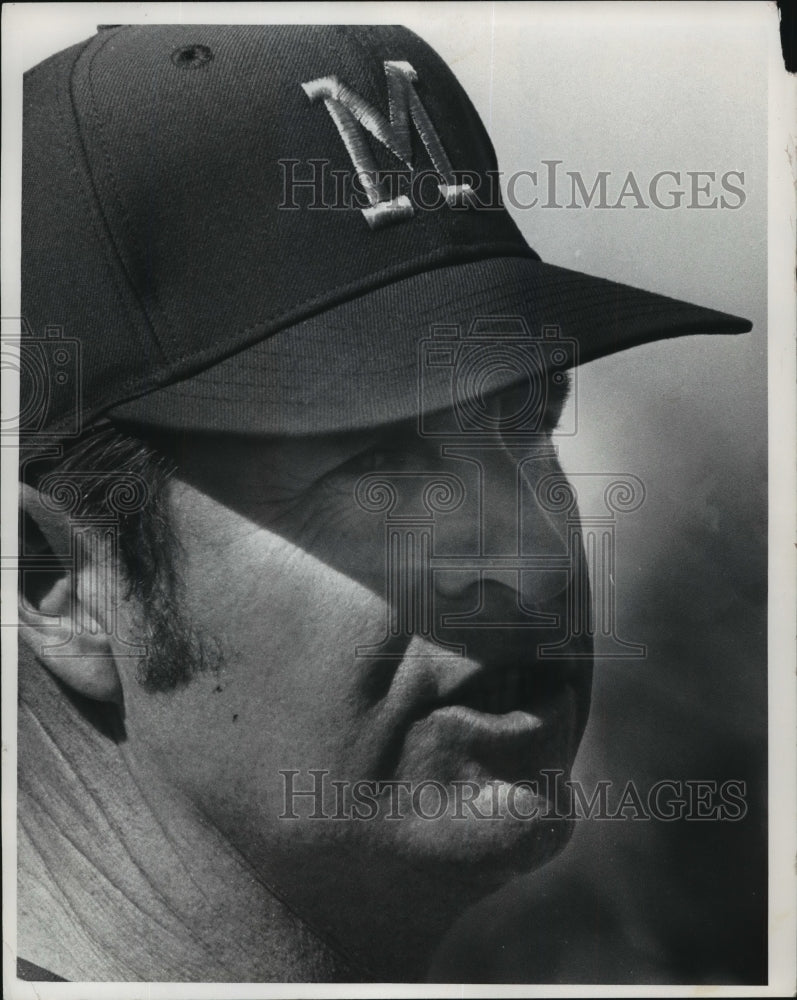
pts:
[362, 363]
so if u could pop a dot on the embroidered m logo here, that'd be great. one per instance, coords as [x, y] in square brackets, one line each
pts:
[353, 115]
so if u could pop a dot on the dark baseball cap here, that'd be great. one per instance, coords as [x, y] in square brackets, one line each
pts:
[262, 228]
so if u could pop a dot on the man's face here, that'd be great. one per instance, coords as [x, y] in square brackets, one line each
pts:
[373, 627]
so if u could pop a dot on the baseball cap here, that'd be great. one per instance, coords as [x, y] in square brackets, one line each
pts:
[262, 229]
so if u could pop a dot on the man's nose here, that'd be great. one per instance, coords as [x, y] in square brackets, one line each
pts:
[501, 533]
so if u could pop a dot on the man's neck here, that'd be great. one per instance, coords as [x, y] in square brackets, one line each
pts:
[114, 887]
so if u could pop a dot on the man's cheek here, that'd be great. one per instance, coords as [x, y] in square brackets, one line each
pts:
[352, 541]
[298, 619]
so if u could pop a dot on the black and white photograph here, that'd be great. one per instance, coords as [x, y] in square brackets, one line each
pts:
[398, 499]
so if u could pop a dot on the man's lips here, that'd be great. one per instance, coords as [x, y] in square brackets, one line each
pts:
[499, 705]
[521, 685]
[514, 716]
[499, 682]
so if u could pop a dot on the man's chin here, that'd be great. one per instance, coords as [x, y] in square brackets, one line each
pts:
[505, 832]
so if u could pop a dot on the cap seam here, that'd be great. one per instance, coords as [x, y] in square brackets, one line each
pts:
[120, 206]
[76, 174]
[339, 293]
[166, 367]
[39, 68]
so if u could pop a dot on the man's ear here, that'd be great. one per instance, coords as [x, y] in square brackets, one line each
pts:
[62, 601]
